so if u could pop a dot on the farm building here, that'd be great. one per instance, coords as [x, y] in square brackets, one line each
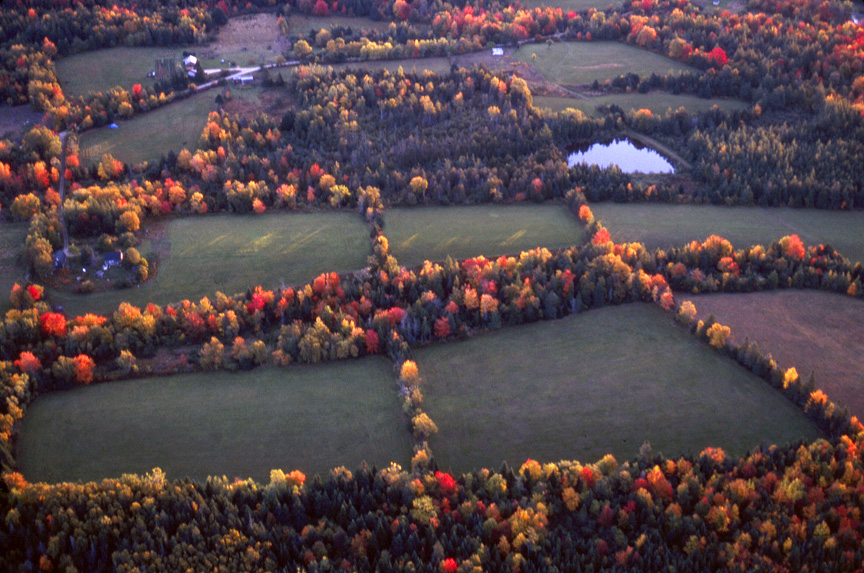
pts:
[497, 51]
[244, 80]
[112, 259]
[190, 62]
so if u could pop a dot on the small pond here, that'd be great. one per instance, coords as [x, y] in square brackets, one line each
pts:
[628, 156]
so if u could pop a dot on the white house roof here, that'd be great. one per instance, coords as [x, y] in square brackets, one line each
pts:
[190, 60]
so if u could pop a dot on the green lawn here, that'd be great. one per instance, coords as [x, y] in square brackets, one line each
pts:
[433, 233]
[661, 226]
[613, 378]
[102, 70]
[580, 63]
[440, 66]
[12, 236]
[230, 253]
[312, 418]
[148, 136]
[657, 102]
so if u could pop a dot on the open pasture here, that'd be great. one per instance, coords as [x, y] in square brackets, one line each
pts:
[301, 24]
[813, 331]
[247, 40]
[440, 66]
[148, 136]
[662, 226]
[12, 236]
[311, 418]
[433, 233]
[600, 382]
[102, 70]
[657, 102]
[230, 253]
[580, 63]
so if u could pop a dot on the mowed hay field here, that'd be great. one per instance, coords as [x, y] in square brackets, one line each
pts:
[148, 136]
[12, 237]
[232, 253]
[580, 63]
[813, 331]
[312, 418]
[300, 24]
[102, 70]
[657, 102]
[662, 226]
[604, 381]
[253, 39]
[434, 233]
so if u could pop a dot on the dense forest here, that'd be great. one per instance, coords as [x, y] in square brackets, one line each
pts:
[367, 140]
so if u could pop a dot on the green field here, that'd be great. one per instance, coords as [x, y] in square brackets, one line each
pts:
[661, 226]
[433, 233]
[12, 236]
[440, 66]
[657, 102]
[230, 253]
[102, 70]
[251, 39]
[613, 378]
[312, 418]
[148, 136]
[580, 63]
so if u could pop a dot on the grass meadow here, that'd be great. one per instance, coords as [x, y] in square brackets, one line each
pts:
[813, 331]
[657, 102]
[12, 236]
[230, 253]
[102, 70]
[301, 25]
[567, 5]
[433, 233]
[440, 66]
[661, 226]
[312, 418]
[148, 136]
[252, 39]
[600, 382]
[580, 63]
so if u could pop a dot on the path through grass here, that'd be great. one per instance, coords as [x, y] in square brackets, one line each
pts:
[599, 382]
[230, 253]
[312, 418]
[661, 226]
[433, 233]
[580, 63]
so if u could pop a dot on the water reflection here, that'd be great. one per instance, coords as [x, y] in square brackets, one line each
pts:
[625, 154]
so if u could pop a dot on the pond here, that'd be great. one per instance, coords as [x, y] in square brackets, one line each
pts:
[628, 156]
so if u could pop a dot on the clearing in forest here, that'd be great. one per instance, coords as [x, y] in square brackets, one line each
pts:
[662, 226]
[249, 40]
[311, 418]
[580, 63]
[657, 102]
[148, 136]
[600, 382]
[575, 5]
[12, 236]
[434, 233]
[813, 331]
[103, 70]
[300, 25]
[231, 253]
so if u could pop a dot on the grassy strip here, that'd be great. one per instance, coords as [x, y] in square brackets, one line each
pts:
[579, 63]
[11, 246]
[661, 226]
[311, 418]
[102, 70]
[613, 379]
[657, 102]
[433, 233]
[230, 253]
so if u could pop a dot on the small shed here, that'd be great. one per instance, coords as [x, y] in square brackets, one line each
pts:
[112, 259]
[497, 51]
[59, 259]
